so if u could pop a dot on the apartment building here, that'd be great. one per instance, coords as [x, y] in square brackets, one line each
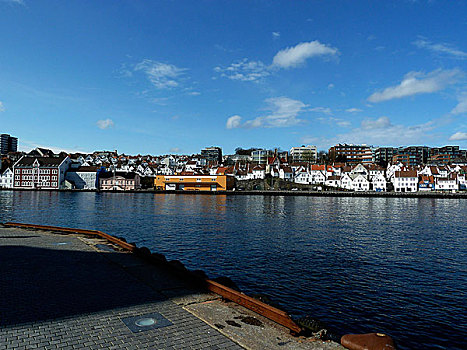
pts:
[304, 154]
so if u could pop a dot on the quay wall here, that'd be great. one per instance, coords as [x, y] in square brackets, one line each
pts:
[432, 194]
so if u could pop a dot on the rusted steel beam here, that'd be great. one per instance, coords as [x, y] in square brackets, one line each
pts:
[270, 312]
[255, 305]
[110, 238]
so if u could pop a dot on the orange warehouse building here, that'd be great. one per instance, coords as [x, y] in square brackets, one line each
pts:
[194, 182]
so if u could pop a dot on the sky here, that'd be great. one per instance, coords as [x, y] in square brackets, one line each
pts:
[159, 77]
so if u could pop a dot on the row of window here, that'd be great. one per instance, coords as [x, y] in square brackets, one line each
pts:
[31, 171]
[29, 184]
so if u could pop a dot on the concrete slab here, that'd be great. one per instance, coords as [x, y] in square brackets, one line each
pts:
[250, 330]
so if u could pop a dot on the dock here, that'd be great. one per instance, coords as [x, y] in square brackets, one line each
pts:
[71, 291]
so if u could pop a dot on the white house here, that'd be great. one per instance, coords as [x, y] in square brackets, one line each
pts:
[6, 179]
[360, 183]
[285, 173]
[446, 183]
[346, 181]
[405, 181]
[333, 181]
[379, 182]
[259, 172]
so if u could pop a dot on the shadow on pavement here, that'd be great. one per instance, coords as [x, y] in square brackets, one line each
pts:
[38, 284]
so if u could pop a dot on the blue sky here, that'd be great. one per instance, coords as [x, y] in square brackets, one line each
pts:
[164, 77]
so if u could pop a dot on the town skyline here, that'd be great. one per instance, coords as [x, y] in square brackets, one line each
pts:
[174, 77]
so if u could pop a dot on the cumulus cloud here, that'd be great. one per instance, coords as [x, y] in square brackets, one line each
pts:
[2, 107]
[105, 123]
[161, 75]
[276, 35]
[174, 150]
[283, 113]
[297, 55]
[244, 70]
[418, 83]
[458, 136]
[233, 122]
[372, 124]
[461, 107]
[440, 48]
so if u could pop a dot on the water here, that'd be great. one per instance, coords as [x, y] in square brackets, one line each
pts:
[392, 265]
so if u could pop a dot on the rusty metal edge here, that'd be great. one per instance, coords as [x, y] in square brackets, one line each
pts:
[270, 312]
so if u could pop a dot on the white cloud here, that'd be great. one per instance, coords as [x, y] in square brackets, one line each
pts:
[283, 113]
[461, 107]
[2, 107]
[458, 136]
[325, 110]
[353, 110]
[175, 150]
[18, 2]
[161, 75]
[276, 35]
[380, 123]
[105, 123]
[297, 55]
[233, 122]
[418, 83]
[335, 121]
[194, 93]
[380, 132]
[244, 70]
[330, 86]
[440, 48]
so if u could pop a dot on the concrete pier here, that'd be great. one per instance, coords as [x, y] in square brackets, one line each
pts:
[70, 291]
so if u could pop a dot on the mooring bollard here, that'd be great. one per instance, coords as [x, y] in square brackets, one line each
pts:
[369, 341]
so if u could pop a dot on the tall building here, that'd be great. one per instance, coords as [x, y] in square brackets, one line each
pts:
[351, 154]
[412, 155]
[447, 154]
[212, 154]
[261, 156]
[383, 155]
[304, 154]
[8, 144]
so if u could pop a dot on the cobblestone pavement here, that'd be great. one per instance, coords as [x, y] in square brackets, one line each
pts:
[58, 292]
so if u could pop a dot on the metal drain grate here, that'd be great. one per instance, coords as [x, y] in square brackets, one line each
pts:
[146, 322]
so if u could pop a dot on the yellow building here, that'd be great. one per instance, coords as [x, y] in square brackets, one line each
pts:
[194, 182]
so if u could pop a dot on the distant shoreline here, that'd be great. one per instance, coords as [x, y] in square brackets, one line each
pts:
[456, 195]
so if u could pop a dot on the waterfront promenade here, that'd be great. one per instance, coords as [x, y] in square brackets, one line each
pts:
[66, 291]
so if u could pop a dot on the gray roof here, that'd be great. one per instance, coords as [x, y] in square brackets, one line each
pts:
[27, 162]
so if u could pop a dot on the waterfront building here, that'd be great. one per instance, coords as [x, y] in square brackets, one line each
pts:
[194, 182]
[6, 178]
[84, 178]
[8, 144]
[426, 183]
[351, 154]
[304, 154]
[405, 181]
[40, 172]
[119, 181]
[448, 183]
[212, 154]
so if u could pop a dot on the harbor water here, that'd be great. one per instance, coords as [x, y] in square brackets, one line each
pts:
[391, 265]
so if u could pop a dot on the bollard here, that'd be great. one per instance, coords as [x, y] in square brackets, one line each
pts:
[369, 341]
